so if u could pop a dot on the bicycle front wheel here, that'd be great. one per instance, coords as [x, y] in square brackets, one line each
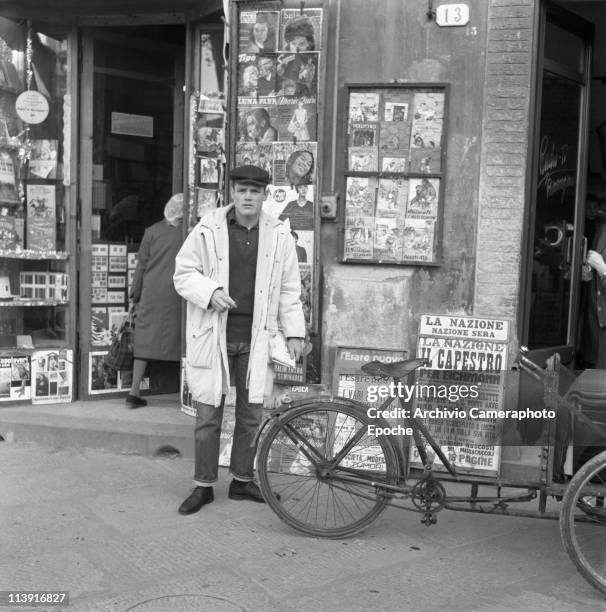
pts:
[583, 521]
[320, 469]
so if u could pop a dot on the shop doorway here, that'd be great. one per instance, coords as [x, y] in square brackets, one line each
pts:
[131, 162]
[551, 315]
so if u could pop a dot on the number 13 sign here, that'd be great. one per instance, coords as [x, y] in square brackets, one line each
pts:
[449, 15]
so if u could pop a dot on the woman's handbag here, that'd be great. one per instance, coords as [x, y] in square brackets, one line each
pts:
[121, 353]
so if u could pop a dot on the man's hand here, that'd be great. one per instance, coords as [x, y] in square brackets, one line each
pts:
[295, 347]
[596, 261]
[221, 301]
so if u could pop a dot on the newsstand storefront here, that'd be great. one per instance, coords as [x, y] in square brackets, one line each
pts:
[431, 158]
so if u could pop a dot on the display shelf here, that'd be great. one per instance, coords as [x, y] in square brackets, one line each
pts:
[16, 302]
[34, 255]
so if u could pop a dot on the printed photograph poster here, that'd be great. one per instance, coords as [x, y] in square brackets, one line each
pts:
[300, 30]
[468, 351]
[258, 31]
[360, 196]
[418, 239]
[258, 123]
[423, 198]
[51, 373]
[391, 197]
[363, 107]
[295, 164]
[297, 118]
[255, 154]
[297, 74]
[359, 235]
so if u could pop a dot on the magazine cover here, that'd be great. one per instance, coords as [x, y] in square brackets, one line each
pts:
[267, 77]
[207, 170]
[387, 239]
[248, 77]
[391, 197]
[360, 196]
[362, 159]
[258, 31]
[300, 30]
[296, 207]
[394, 138]
[41, 217]
[418, 239]
[297, 118]
[51, 373]
[423, 198]
[363, 107]
[11, 230]
[279, 195]
[208, 139]
[394, 164]
[297, 74]
[359, 232]
[15, 381]
[43, 159]
[426, 132]
[295, 164]
[258, 124]
[253, 154]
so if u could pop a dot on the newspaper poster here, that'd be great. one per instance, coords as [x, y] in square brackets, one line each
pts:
[391, 197]
[295, 164]
[257, 123]
[297, 74]
[301, 30]
[258, 32]
[52, 373]
[363, 107]
[468, 358]
[426, 132]
[423, 198]
[297, 118]
[15, 382]
[360, 196]
[418, 239]
[359, 236]
[387, 245]
[41, 217]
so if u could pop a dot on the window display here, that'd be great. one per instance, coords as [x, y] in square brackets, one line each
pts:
[35, 264]
[394, 173]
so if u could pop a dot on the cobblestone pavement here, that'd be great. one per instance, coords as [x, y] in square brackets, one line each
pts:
[105, 527]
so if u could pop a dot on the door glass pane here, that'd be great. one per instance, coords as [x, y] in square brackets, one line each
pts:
[555, 212]
[564, 47]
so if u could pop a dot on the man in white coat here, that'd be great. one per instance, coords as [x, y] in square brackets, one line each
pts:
[239, 273]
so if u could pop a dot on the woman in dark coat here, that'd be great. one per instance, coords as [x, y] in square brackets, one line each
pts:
[157, 304]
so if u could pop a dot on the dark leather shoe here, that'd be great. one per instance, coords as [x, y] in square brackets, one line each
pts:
[132, 401]
[245, 490]
[198, 498]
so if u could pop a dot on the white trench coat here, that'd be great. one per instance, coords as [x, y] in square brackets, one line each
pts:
[201, 266]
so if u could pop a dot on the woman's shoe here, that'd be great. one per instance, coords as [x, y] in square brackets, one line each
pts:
[132, 401]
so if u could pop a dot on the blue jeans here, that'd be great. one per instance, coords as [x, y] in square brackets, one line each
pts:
[208, 426]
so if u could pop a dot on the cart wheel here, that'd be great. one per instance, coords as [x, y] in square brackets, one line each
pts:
[299, 483]
[583, 521]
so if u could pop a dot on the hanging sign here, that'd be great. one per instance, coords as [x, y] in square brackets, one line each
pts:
[32, 107]
[449, 15]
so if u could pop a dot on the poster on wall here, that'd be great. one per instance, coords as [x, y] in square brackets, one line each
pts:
[393, 199]
[468, 359]
[51, 373]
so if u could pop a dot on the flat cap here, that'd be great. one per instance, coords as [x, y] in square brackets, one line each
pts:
[250, 174]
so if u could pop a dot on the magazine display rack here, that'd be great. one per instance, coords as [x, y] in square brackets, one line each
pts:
[394, 173]
[35, 236]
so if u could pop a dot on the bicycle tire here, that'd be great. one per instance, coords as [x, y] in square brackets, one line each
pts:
[317, 505]
[581, 539]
